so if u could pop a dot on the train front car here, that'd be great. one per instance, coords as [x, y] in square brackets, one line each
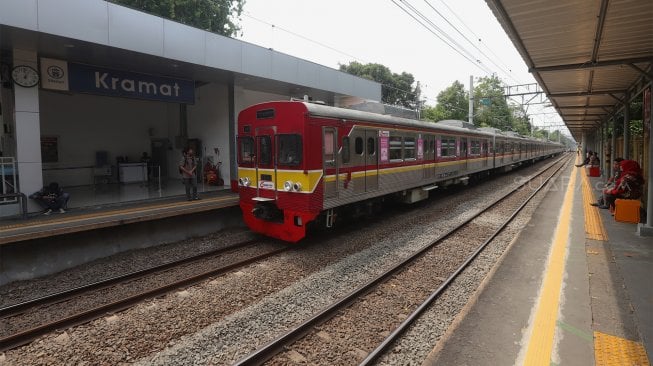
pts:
[278, 180]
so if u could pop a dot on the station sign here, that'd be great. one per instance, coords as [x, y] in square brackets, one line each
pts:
[74, 77]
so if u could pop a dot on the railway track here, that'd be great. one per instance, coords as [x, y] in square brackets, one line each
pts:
[23, 322]
[303, 342]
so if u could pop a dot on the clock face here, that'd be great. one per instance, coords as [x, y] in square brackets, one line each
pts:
[25, 76]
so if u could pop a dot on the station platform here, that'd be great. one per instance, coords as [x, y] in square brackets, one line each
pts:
[573, 289]
[91, 218]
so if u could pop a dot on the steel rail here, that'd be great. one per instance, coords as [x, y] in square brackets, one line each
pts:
[380, 350]
[27, 336]
[272, 348]
[49, 299]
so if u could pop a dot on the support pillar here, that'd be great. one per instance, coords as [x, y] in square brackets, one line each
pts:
[613, 149]
[647, 229]
[626, 150]
[28, 131]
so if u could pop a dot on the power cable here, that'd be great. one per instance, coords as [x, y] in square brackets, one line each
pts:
[330, 48]
[475, 35]
[468, 40]
[480, 66]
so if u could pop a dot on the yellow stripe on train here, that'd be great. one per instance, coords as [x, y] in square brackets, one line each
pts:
[308, 180]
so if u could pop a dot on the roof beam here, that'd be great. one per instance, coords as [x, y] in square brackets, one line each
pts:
[586, 106]
[599, 29]
[646, 74]
[582, 115]
[592, 64]
[584, 94]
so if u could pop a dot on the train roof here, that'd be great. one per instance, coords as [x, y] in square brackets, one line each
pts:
[452, 126]
[445, 125]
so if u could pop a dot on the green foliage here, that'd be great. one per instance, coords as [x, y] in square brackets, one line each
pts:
[213, 15]
[498, 113]
[396, 89]
[452, 104]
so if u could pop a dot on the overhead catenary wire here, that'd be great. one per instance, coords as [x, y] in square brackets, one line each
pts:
[426, 23]
[478, 37]
[330, 48]
[506, 73]
[435, 29]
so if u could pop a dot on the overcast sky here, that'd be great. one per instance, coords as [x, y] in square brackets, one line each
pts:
[378, 31]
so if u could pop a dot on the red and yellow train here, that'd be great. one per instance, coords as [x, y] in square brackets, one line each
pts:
[301, 162]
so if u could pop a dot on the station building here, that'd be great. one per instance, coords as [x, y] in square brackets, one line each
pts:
[88, 86]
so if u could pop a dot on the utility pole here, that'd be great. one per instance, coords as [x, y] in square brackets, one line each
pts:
[471, 99]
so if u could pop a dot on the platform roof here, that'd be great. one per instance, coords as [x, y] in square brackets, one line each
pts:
[106, 34]
[587, 55]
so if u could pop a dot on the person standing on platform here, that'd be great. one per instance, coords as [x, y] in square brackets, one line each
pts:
[188, 169]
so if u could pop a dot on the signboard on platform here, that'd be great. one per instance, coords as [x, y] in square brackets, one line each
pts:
[82, 78]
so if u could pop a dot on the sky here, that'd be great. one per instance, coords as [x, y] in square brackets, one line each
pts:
[337, 32]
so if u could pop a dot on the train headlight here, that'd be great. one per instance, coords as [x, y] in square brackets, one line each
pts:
[244, 181]
[287, 186]
[297, 187]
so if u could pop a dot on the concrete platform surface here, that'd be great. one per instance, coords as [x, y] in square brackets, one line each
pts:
[601, 312]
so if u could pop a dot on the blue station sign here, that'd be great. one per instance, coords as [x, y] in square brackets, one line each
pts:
[91, 79]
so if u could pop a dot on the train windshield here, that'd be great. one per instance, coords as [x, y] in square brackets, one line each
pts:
[289, 150]
[246, 152]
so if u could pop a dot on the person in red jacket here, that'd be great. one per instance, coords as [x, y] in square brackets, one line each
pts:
[629, 185]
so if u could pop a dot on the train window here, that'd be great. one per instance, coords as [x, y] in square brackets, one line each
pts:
[371, 149]
[409, 148]
[289, 149]
[448, 147]
[246, 152]
[395, 148]
[463, 147]
[265, 113]
[329, 156]
[264, 150]
[358, 146]
[346, 152]
[475, 148]
[432, 145]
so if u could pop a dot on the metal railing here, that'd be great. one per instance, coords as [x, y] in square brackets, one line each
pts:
[8, 173]
[8, 177]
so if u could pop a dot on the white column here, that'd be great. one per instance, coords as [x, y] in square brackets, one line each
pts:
[28, 131]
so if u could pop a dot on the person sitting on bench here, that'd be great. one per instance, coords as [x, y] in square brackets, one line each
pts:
[629, 185]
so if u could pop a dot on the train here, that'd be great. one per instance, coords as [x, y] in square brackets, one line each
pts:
[302, 163]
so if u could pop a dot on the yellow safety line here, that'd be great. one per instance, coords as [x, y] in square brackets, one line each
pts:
[540, 344]
[611, 350]
[594, 228]
[112, 213]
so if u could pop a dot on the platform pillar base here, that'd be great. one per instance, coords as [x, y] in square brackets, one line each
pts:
[644, 230]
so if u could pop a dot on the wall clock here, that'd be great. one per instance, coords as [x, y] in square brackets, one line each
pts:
[25, 76]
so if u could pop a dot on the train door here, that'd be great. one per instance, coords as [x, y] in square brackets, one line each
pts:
[485, 153]
[371, 161]
[329, 161]
[429, 156]
[266, 170]
[463, 154]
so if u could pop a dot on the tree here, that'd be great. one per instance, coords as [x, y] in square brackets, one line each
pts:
[396, 89]
[453, 103]
[217, 16]
[491, 108]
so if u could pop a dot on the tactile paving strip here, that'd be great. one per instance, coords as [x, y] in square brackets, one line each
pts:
[610, 350]
[594, 228]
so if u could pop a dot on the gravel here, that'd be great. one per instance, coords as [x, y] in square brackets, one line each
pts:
[225, 318]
